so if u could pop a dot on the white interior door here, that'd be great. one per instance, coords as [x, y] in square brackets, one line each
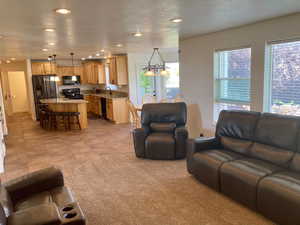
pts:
[18, 92]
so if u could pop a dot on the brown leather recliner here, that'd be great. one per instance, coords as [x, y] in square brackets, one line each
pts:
[39, 198]
[254, 158]
[163, 134]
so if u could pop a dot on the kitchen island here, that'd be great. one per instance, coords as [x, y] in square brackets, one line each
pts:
[69, 105]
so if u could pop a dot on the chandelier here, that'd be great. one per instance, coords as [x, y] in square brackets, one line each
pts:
[158, 69]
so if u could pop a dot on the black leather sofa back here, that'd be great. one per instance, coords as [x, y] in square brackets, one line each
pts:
[235, 130]
[276, 139]
[165, 113]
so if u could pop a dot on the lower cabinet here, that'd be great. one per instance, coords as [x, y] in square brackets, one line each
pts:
[93, 105]
[117, 110]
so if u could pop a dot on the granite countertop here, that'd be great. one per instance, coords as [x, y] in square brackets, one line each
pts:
[63, 101]
[103, 95]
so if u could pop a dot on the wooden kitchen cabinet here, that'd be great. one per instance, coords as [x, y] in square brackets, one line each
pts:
[43, 68]
[69, 70]
[118, 70]
[94, 73]
[117, 110]
[94, 104]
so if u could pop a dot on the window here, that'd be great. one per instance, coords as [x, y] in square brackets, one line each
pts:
[166, 87]
[172, 81]
[284, 78]
[232, 80]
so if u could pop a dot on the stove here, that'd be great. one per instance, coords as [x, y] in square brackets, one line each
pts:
[72, 93]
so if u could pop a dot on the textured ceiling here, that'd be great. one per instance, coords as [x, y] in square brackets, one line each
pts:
[101, 24]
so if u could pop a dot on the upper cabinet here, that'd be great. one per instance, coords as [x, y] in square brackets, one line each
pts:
[69, 70]
[94, 73]
[43, 68]
[118, 71]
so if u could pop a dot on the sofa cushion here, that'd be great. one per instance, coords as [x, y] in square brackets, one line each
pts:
[205, 165]
[163, 127]
[239, 179]
[278, 197]
[5, 201]
[34, 200]
[278, 131]
[160, 146]
[236, 145]
[45, 214]
[61, 196]
[237, 124]
[295, 163]
[278, 156]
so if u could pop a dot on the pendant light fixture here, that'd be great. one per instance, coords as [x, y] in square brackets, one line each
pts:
[158, 69]
[56, 78]
[74, 78]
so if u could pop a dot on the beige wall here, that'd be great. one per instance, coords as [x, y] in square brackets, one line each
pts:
[196, 65]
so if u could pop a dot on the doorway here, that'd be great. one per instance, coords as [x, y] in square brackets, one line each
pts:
[17, 91]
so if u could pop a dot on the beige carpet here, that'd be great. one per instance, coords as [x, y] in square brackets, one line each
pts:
[114, 187]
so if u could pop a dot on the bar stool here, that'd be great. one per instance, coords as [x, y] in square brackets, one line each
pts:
[73, 119]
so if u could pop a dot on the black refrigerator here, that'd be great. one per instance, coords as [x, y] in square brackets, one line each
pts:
[44, 86]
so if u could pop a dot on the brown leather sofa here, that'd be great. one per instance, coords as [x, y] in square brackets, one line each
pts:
[39, 198]
[254, 158]
[163, 134]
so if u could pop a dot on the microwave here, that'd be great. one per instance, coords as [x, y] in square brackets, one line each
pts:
[71, 80]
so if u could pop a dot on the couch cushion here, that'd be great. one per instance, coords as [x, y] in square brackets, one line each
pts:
[278, 197]
[61, 196]
[5, 201]
[163, 127]
[3, 219]
[295, 163]
[237, 124]
[205, 165]
[236, 145]
[160, 146]
[239, 179]
[278, 131]
[45, 214]
[278, 156]
[34, 200]
[164, 112]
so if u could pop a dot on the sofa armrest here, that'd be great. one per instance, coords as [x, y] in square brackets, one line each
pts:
[139, 138]
[42, 214]
[201, 144]
[35, 182]
[181, 135]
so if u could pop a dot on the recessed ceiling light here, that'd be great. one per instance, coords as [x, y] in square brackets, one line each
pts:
[176, 20]
[102, 50]
[63, 11]
[44, 49]
[49, 29]
[82, 58]
[119, 45]
[137, 34]
[13, 59]
[90, 56]
[97, 54]
[7, 61]
[51, 43]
